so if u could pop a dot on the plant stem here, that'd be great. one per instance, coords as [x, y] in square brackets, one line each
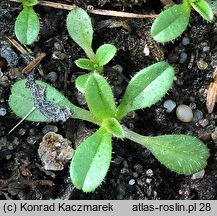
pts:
[82, 114]
[135, 137]
[90, 54]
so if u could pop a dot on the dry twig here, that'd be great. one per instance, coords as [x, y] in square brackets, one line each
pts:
[212, 94]
[95, 11]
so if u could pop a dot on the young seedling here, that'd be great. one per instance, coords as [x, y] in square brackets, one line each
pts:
[81, 31]
[172, 22]
[180, 153]
[27, 24]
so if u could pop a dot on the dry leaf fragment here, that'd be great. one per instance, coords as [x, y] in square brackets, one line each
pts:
[211, 97]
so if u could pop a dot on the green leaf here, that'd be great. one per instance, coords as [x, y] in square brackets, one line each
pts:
[146, 88]
[105, 53]
[171, 23]
[85, 63]
[81, 31]
[27, 26]
[21, 102]
[114, 127]
[80, 82]
[29, 2]
[213, 5]
[99, 97]
[180, 153]
[203, 9]
[91, 161]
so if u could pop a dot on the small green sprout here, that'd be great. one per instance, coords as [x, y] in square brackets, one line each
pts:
[81, 31]
[27, 25]
[172, 22]
[180, 153]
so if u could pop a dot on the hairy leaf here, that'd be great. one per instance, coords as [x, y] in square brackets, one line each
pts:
[146, 88]
[203, 9]
[99, 97]
[105, 53]
[21, 102]
[171, 23]
[27, 26]
[85, 63]
[180, 153]
[80, 82]
[213, 5]
[114, 127]
[81, 31]
[91, 161]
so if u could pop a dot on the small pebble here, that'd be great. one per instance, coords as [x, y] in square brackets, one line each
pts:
[118, 160]
[31, 140]
[149, 172]
[206, 49]
[198, 115]
[22, 131]
[2, 111]
[124, 171]
[49, 128]
[146, 50]
[203, 122]
[135, 175]
[58, 46]
[52, 76]
[138, 168]
[169, 105]
[184, 113]
[148, 180]
[202, 65]
[198, 175]
[132, 182]
[185, 41]
[183, 57]
[193, 105]
[58, 55]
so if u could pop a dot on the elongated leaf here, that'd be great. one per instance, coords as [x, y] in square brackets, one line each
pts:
[29, 2]
[180, 153]
[203, 9]
[81, 31]
[99, 97]
[171, 23]
[84, 63]
[27, 26]
[81, 81]
[213, 5]
[21, 102]
[146, 88]
[114, 127]
[105, 53]
[91, 161]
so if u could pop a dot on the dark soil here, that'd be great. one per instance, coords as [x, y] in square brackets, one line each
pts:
[134, 172]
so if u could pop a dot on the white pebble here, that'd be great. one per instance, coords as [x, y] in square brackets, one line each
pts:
[184, 113]
[169, 105]
[132, 182]
[198, 175]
